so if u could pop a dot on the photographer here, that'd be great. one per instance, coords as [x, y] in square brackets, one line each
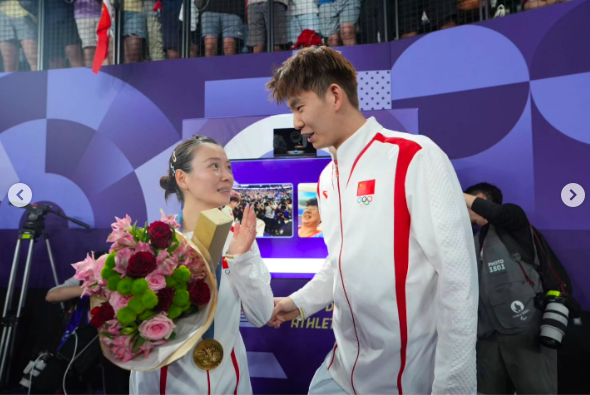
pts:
[510, 355]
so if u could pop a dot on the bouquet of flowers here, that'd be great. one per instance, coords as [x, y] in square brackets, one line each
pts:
[153, 290]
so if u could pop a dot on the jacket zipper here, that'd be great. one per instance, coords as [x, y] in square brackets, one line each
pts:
[342, 278]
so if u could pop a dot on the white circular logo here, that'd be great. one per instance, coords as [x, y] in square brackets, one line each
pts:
[20, 195]
[572, 195]
[517, 306]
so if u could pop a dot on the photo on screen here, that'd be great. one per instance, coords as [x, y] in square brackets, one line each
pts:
[310, 222]
[273, 205]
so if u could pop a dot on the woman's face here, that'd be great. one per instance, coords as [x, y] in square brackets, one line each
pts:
[211, 180]
[311, 217]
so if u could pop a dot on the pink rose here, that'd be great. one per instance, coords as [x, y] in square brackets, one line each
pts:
[166, 263]
[122, 260]
[119, 301]
[156, 281]
[158, 328]
[197, 267]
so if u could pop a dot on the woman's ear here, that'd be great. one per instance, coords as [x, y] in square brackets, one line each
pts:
[181, 179]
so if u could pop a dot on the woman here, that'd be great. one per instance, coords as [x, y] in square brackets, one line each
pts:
[201, 177]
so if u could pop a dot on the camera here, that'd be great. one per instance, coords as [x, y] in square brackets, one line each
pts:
[555, 319]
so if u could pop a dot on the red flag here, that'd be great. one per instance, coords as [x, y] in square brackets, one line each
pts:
[102, 31]
[366, 188]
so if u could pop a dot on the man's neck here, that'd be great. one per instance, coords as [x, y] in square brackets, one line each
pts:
[350, 123]
[307, 231]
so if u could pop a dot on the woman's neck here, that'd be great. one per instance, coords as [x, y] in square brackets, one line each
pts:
[190, 214]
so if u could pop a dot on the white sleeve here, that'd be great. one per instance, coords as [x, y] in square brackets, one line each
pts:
[440, 223]
[316, 294]
[252, 280]
[70, 282]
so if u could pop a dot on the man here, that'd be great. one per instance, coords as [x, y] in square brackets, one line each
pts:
[228, 210]
[259, 24]
[223, 19]
[510, 357]
[311, 220]
[401, 270]
[338, 19]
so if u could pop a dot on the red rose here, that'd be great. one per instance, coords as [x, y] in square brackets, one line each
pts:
[102, 314]
[160, 234]
[141, 264]
[199, 292]
[165, 297]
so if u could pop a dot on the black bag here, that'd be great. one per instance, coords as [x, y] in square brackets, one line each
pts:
[553, 274]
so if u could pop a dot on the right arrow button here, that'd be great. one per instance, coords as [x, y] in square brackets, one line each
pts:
[573, 195]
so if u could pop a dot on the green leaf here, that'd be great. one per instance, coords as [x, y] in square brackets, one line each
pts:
[172, 336]
[173, 247]
[93, 285]
[106, 334]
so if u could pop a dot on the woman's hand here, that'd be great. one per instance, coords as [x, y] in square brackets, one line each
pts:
[244, 233]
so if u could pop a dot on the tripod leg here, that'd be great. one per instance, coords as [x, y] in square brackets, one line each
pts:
[7, 304]
[6, 355]
[52, 265]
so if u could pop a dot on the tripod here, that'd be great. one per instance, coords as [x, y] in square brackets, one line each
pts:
[33, 228]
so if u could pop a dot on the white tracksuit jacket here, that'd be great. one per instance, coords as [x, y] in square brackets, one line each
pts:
[401, 268]
[245, 285]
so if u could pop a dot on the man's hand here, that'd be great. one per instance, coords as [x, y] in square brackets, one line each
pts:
[285, 310]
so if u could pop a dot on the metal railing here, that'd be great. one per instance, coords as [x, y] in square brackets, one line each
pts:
[50, 34]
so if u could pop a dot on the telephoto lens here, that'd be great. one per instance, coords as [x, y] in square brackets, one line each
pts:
[555, 320]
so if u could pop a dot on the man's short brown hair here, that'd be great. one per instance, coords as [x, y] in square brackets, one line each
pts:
[314, 69]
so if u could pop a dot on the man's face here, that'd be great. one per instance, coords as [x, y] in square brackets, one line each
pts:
[311, 216]
[313, 116]
[475, 218]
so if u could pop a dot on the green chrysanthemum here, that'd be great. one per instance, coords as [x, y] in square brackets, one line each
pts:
[113, 281]
[124, 286]
[136, 305]
[149, 299]
[139, 286]
[126, 316]
[181, 274]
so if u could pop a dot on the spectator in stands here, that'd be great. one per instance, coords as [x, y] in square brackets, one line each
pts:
[269, 217]
[303, 14]
[134, 30]
[18, 23]
[222, 19]
[373, 18]
[311, 220]
[172, 16]
[61, 35]
[87, 15]
[532, 4]
[442, 14]
[258, 24]
[153, 10]
[338, 19]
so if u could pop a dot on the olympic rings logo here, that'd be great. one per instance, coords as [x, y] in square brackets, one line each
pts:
[364, 200]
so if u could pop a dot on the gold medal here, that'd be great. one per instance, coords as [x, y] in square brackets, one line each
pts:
[208, 354]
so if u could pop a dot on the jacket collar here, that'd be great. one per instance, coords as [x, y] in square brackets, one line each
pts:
[348, 152]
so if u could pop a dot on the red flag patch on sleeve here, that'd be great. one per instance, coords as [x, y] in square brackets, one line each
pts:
[366, 188]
